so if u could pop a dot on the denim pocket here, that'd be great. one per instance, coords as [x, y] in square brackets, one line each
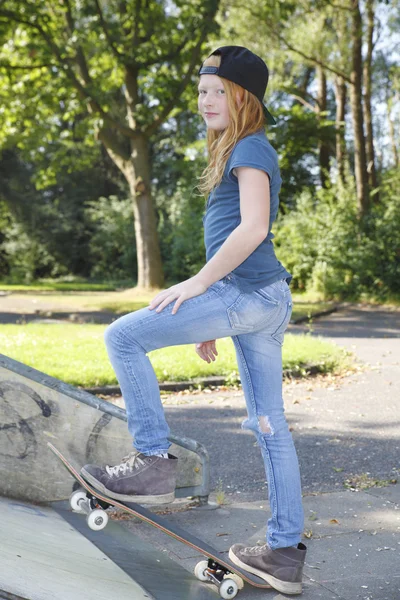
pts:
[250, 311]
[265, 294]
[278, 334]
[276, 291]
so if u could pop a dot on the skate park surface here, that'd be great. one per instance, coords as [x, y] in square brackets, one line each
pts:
[354, 543]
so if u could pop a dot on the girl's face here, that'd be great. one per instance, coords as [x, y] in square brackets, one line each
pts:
[212, 102]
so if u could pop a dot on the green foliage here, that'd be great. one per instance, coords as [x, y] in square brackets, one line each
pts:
[62, 79]
[73, 73]
[4, 225]
[328, 249]
[25, 258]
[296, 141]
[64, 69]
[177, 162]
[181, 233]
[52, 218]
[112, 249]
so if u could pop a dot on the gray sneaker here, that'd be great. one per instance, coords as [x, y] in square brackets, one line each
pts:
[138, 478]
[281, 568]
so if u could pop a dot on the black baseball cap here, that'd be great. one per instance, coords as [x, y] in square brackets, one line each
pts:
[240, 65]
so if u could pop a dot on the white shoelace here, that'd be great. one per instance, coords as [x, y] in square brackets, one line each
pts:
[256, 549]
[128, 462]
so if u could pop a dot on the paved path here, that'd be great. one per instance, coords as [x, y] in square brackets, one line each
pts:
[344, 429]
[27, 308]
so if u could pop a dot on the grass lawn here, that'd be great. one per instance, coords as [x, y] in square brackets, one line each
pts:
[124, 297]
[60, 286]
[76, 354]
[122, 302]
[300, 309]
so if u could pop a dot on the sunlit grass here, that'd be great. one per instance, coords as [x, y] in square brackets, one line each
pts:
[76, 354]
[126, 301]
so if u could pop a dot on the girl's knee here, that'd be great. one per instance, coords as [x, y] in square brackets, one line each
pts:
[113, 334]
[266, 426]
[109, 334]
[126, 332]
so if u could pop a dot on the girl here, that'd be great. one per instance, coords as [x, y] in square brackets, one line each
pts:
[241, 292]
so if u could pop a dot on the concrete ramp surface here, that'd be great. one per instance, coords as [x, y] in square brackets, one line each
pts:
[44, 558]
[36, 408]
[49, 553]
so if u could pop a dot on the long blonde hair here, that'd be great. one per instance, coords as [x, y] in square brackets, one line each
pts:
[244, 120]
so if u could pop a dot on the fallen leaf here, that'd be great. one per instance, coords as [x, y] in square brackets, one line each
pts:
[308, 534]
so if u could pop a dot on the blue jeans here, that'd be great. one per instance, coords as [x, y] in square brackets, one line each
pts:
[256, 322]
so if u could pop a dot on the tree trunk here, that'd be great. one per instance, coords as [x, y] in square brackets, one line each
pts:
[372, 178]
[392, 136]
[360, 158]
[136, 168]
[323, 147]
[137, 173]
[340, 95]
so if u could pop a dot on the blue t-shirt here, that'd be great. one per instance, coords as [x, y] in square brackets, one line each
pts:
[222, 214]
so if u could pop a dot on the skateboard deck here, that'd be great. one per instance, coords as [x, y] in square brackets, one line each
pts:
[218, 568]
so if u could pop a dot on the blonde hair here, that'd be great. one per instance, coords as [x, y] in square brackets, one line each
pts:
[244, 120]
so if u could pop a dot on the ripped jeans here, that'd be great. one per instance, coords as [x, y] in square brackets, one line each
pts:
[256, 322]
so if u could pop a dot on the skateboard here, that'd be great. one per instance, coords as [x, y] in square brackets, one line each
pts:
[217, 569]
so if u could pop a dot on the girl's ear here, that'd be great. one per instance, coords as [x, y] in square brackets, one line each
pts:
[239, 101]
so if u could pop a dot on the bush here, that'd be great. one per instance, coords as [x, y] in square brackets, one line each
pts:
[328, 249]
[23, 258]
[112, 245]
[109, 252]
[181, 233]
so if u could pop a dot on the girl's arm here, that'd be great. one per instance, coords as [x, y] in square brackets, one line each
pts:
[253, 229]
[254, 190]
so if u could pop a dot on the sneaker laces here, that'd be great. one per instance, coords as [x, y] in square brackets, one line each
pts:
[256, 549]
[128, 462]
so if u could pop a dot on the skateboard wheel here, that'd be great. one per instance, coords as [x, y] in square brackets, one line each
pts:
[238, 580]
[97, 519]
[228, 589]
[75, 499]
[200, 570]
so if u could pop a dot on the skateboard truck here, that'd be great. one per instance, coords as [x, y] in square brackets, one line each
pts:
[94, 508]
[211, 570]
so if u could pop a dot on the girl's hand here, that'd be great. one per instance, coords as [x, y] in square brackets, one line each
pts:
[182, 291]
[207, 350]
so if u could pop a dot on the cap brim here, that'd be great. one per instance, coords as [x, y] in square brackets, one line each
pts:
[269, 117]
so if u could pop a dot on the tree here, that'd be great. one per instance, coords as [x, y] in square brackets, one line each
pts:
[367, 77]
[327, 36]
[360, 157]
[110, 70]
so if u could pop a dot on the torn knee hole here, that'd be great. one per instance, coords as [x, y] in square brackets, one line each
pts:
[265, 425]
